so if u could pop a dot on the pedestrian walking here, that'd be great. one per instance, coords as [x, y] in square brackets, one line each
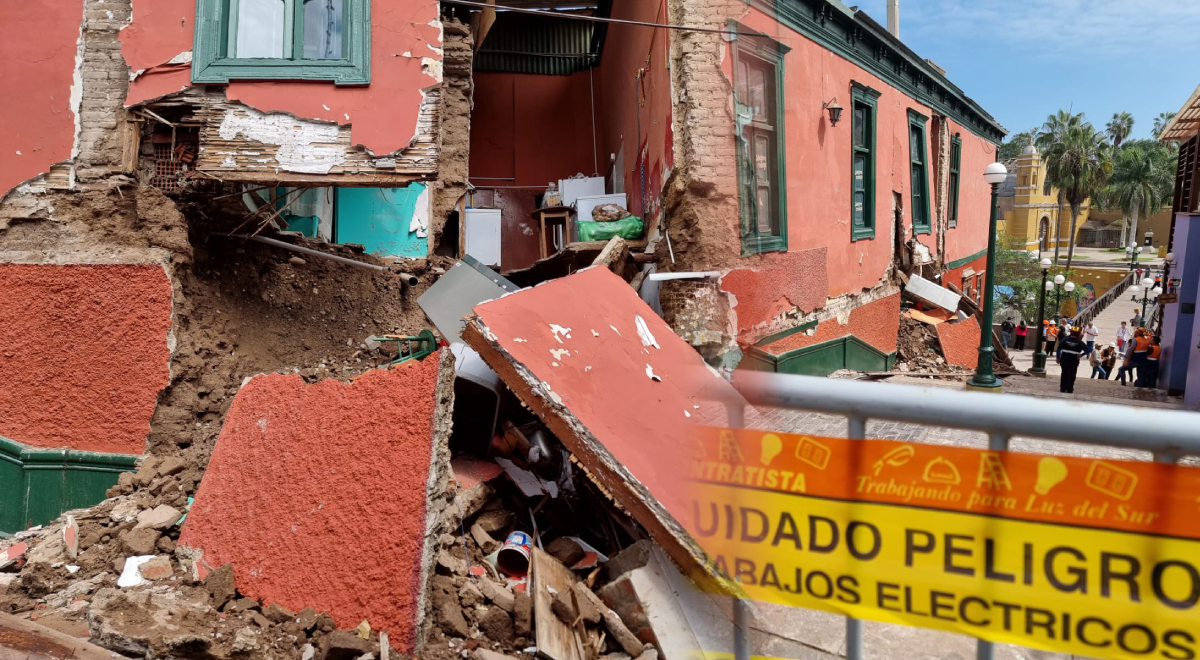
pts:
[1021, 332]
[1070, 351]
[1006, 332]
[1123, 335]
[1090, 333]
[1096, 365]
[1126, 368]
[1108, 359]
[1136, 321]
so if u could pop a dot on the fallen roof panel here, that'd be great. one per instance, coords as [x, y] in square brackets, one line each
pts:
[615, 384]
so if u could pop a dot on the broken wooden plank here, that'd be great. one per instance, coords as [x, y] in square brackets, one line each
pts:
[555, 639]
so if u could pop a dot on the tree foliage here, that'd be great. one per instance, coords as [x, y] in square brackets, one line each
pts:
[1011, 148]
[1161, 121]
[1078, 164]
[1019, 280]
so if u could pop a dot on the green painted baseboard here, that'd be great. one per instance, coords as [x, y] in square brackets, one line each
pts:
[36, 485]
[822, 359]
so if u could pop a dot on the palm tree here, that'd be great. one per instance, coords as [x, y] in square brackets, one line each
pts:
[1142, 182]
[1161, 121]
[1052, 132]
[1119, 128]
[1078, 165]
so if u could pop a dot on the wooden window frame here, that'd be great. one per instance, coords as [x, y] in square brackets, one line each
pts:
[920, 222]
[211, 65]
[749, 42]
[954, 180]
[862, 95]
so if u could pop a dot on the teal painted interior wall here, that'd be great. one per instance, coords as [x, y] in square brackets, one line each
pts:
[379, 220]
[36, 485]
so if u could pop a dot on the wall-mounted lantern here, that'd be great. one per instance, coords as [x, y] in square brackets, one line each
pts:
[835, 111]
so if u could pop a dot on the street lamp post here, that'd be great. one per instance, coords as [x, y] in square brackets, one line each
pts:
[1068, 287]
[1039, 355]
[985, 377]
[1133, 250]
[1147, 292]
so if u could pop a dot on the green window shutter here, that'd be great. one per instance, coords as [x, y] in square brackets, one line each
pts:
[919, 173]
[216, 26]
[758, 103]
[955, 164]
[862, 173]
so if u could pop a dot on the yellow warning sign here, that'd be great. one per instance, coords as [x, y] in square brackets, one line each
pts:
[1098, 558]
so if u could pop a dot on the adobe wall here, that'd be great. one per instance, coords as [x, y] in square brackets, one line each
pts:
[86, 350]
[345, 477]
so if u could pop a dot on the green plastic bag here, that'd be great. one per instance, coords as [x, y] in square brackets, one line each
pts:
[630, 228]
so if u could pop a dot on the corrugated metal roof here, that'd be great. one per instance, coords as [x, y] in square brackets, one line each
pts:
[521, 43]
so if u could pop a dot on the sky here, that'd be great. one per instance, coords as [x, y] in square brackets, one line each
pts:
[1025, 59]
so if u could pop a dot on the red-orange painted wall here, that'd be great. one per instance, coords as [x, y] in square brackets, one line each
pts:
[533, 129]
[630, 105]
[37, 63]
[975, 197]
[83, 354]
[339, 474]
[817, 163]
[877, 323]
[383, 114]
[955, 275]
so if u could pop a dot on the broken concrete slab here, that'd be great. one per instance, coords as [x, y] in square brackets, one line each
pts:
[158, 568]
[319, 455]
[26, 639]
[930, 293]
[605, 373]
[160, 517]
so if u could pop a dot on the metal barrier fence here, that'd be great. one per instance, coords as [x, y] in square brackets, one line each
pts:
[1168, 434]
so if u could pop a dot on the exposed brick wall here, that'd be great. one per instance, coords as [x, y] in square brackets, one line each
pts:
[454, 138]
[698, 312]
[105, 83]
[702, 196]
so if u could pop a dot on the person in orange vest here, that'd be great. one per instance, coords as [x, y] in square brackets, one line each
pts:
[1051, 331]
[1148, 374]
[1141, 350]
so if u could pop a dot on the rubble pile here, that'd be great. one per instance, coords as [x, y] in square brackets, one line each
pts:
[114, 572]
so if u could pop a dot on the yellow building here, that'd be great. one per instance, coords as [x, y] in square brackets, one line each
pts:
[1027, 215]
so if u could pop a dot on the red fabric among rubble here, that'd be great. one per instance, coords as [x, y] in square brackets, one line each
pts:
[317, 494]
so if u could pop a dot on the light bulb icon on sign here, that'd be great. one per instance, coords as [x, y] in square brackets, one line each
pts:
[1051, 472]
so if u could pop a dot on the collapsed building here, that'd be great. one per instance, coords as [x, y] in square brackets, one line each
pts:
[223, 223]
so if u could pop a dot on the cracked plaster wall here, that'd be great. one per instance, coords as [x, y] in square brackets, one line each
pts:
[406, 59]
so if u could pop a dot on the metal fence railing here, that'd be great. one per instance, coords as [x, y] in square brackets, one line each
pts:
[1168, 434]
[1093, 310]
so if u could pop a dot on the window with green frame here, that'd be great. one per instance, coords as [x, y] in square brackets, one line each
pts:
[955, 162]
[758, 102]
[918, 172]
[282, 40]
[862, 172]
